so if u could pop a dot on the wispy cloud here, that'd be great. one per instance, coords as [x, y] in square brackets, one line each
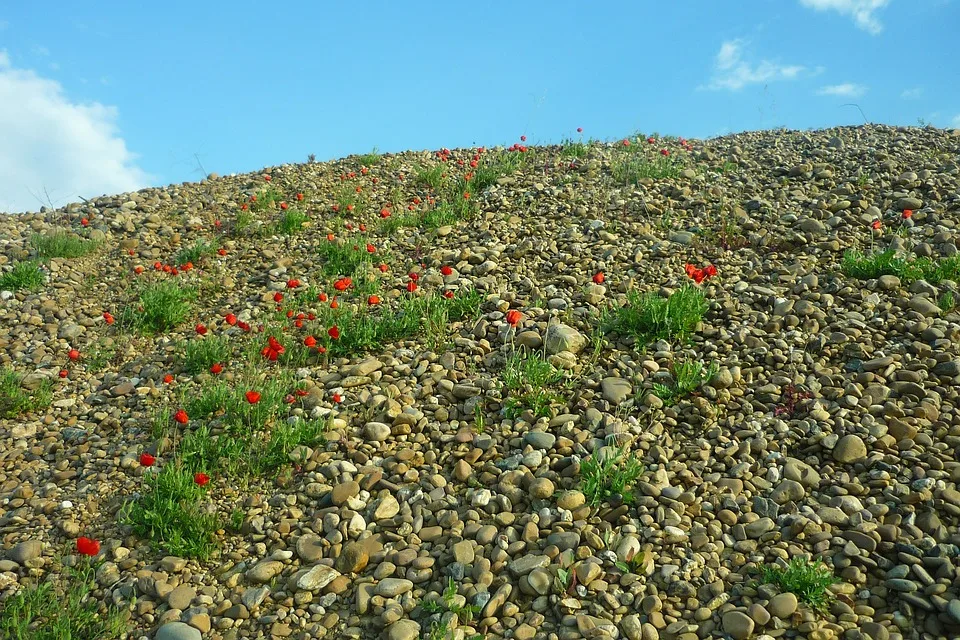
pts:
[911, 94]
[54, 144]
[955, 123]
[862, 11]
[845, 90]
[732, 72]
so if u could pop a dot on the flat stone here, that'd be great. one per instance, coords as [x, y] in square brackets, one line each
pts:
[181, 597]
[264, 571]
[787, 491]
[540, 439]
[313, 579]
[344, 492]
[310, 548]
[393, 587]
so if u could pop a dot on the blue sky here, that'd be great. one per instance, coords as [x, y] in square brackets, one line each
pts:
[107, 96]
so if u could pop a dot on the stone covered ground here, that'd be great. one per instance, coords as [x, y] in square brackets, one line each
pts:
[429, 483]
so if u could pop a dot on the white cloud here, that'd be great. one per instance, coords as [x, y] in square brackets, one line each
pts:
[732, 72]
[845, 90]
[860, 10]
[55, 145]
[911, 94]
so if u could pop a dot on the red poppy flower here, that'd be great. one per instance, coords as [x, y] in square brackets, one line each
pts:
[298, 323]
[284, 205]
[87, 546]
[411, 286]
[230, 319]
[299, 196]
[349, 207]
[383, 267]
[84, 221]
[187, 267]
[651, 140]
[876, 224]
[373, 300]
[63, 373]
[244, 207]
[73, 354]
[448, 294]
[173, 271]
[181, 416]
[446, 270]
[664, 152]
[523, 138]
[336, 208]
[598, 277]
[698, 275]
[710, 271]
[371, 248]
[342, 284]
[466, 195]
[907, 213]
[216, 368]
[138, 269]
[334, 332]
[337, 398]
[300, 392]
[201, 479]
[266, 177]
[322, 297]
[147, 460]
[293, 284]
[514, 317]
[168, 378]
[202, 330]
[310, 341]
[626, 142]
[278, 297]
[108, 317]
[253, 397]
[579, 129]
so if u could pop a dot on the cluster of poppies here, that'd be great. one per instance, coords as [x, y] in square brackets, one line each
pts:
[698, 275]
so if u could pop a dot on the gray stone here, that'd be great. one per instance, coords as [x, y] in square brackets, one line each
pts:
[561, 337]
[177, 631]
[393, 587]
[787, 491]
[615, 390]
[26, 551]
[539, 439]
[402, 630]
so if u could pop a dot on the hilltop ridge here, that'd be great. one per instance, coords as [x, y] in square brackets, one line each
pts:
[650, 388]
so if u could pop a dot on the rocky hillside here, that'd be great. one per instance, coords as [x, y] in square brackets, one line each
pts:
[655, 388]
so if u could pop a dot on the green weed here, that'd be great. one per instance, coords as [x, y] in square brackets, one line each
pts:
[61, 244]
[809, 581]
[26, 275]
[61, 608]
[16, 401]
[203, 352]
[528, 377]
[631, 170]
[688, 375]
[193, 254]
[291, 222]
[648, 317]
[369, 159]
[862, 266]
[604, 475]
[171, 514]
[160, 307]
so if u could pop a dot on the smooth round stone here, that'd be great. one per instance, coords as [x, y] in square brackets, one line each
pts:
[177, 631]
[542, 488]
[783, 605]
[738, 624]
[849, 449]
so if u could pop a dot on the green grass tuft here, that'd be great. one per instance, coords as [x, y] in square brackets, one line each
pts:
[862, 266]
[291, 222]
[61, 608]
[15, 400]
[160, 307]
[528, 377]
[648, 317]
[170, 513]
[809, 581]
[632, 169]
[26, 275]
[688, 375]
[61, 244]
[603, 476]
[203, 352]
[193, 254]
